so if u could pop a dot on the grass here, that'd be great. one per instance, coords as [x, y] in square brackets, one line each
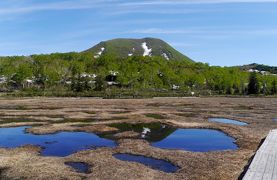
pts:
[17, 107]
[18, 120]
[243, 107]
[155, 116]
[155, 104]
[119, 112]
[115, 118]
[229, 164]
[88, 120]
[89, 112]
[75, 121]
[187, 114]
[113, 93]
[1, 172]
[122, 47]
[119, 93]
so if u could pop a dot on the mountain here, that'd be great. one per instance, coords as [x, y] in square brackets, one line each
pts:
[137, 47]
[259, 68]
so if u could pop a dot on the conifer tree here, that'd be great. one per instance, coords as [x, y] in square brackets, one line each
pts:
[253, 86]
[274, 87]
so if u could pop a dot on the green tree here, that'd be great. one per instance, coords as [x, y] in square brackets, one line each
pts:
[273, 87]
[77, 68]
[253, 86]
[100, 83]
[23, 71]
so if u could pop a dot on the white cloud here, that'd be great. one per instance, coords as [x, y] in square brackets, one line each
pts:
[161, 31]
[118, 6]
[145, 10]
[208, 32]
[179, 2]
[29, 6]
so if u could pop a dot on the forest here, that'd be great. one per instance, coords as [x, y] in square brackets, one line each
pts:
[81, 74]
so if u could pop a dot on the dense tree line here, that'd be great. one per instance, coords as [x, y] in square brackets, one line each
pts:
[78, 72]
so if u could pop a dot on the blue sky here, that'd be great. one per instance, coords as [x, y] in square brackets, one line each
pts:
[219, 32]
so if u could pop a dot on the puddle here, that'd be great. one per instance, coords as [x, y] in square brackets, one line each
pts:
[79, 167]
[228, 121]
[153, 163]
[59, 144]
[168, 137]
[197, 140]
[274, 119]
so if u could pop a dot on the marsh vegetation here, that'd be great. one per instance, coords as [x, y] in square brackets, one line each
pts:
[88, 131]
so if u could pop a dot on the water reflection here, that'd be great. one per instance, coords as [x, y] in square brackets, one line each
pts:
[59, 144]
[168, 137]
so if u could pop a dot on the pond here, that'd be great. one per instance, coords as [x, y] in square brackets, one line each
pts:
[168, 137]
[197, 140]
[228, 121]
[79, 167]
[159, 135]
[60, 144]
[153, 163]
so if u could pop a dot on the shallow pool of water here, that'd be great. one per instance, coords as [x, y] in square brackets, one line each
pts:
[197, 140]
[274, 119]
[79, 167]
[228, 121]
[153, 163]
[59, 144]
[168, 137]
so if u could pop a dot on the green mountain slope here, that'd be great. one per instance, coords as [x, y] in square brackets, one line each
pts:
[137, 47]
[111, 72]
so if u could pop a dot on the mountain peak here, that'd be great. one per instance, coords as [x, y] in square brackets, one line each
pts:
[124, 47]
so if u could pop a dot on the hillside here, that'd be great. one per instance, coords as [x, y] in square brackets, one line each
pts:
[137, 47]
[145, 67]
[259, 67]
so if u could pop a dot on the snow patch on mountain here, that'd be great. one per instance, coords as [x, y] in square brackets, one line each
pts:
[165, 56]
[99, 53]
[147, 51]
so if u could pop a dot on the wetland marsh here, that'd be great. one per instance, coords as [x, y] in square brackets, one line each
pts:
[79, 138]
